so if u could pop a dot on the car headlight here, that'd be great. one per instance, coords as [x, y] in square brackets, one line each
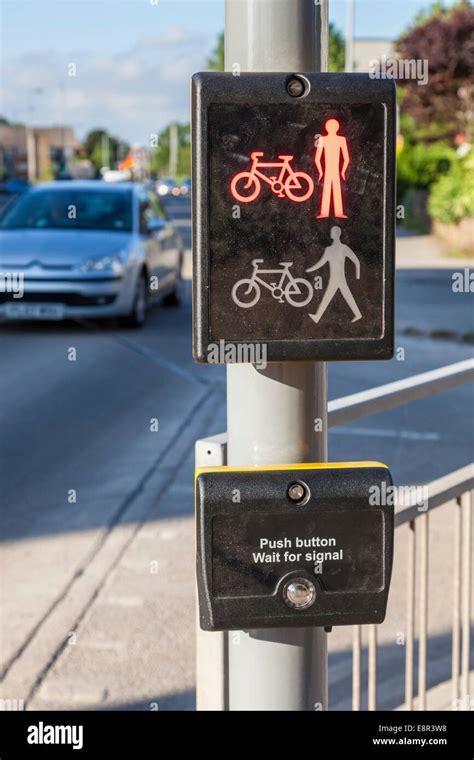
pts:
[104, 264]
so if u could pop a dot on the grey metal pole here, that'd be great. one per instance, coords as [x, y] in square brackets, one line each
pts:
[174, 148]
[276, 415]
[349, 54]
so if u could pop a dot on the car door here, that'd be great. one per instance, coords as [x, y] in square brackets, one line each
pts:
[150, 235]
[168, 243]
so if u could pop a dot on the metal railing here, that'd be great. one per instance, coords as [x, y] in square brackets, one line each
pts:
[389, 396]
[456, 487]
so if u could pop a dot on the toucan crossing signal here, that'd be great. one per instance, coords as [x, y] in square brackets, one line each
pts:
[294, 215]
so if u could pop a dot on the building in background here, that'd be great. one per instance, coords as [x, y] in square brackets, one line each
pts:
[35, 153]
[369, 49]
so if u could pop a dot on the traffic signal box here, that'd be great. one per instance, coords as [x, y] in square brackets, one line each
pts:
[293, 216]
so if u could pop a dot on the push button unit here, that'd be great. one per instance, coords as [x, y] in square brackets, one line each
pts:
[295, 545]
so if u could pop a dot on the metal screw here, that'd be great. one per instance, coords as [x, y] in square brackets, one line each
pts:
[299, 593]
[296, 492]
[295, 87]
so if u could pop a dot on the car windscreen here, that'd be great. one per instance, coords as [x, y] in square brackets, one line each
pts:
[71, 209]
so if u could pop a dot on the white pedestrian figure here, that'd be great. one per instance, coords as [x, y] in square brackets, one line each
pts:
[335, 255]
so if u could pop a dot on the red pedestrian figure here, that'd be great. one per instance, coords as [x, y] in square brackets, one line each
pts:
[332, 145]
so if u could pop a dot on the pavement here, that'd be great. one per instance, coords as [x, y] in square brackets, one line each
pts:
[97, 546]
[425, 252]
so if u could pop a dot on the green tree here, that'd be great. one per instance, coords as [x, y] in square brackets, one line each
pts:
[215, 62]
[451, 196]
[420, 165]
[425, 14]
[161, 157]
[337, 50]
[442, 107]
[98, 143]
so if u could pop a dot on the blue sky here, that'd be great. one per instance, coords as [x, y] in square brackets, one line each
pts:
[132, 58]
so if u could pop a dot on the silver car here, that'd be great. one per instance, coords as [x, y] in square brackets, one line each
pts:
[87, 248]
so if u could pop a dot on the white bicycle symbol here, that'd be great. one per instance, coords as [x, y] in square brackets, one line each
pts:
[295, 290]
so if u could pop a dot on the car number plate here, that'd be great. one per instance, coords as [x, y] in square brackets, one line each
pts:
[34, 311]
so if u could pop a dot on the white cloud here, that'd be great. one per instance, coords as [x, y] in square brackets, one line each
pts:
[76, 100]
[174, 35]
[128, 70]
[133, 93]
[104, 64]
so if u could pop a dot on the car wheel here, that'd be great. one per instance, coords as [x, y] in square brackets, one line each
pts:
[137, 316]
[172, 298]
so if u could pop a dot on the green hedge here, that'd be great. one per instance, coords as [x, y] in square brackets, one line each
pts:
[452, 196]
[420, 165]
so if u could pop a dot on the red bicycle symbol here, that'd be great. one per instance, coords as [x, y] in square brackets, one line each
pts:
[246, 186]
